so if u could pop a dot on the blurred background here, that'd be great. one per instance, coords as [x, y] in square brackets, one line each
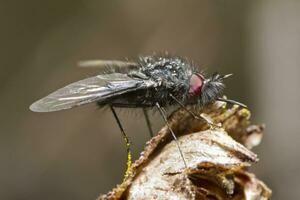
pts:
[78, 153]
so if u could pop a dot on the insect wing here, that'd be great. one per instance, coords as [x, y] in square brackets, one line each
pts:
[89, 90]
[109, 65]
[104, 63]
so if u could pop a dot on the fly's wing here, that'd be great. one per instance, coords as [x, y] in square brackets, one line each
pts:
[111, 65]
[89, 90]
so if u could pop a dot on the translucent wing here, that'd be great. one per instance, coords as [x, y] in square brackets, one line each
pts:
[104, 64]
[89, 90]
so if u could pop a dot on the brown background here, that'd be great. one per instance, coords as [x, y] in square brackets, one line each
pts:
[77, 154]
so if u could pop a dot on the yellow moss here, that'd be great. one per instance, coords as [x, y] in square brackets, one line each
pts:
[245, 112]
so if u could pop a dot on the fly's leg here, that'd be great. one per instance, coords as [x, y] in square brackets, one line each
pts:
[128, 171]
[202, 116]
[148, 122]
[209, 121]
[233, 102]
[163, 114]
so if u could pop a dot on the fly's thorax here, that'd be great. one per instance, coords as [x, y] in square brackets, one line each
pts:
[171, 75]
[165, 67]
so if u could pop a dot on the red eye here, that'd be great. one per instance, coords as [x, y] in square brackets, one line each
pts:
[196, 83]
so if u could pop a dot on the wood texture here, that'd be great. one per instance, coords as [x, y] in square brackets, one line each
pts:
[217, 159]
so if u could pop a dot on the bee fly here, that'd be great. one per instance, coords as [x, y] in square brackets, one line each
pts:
[150, 81]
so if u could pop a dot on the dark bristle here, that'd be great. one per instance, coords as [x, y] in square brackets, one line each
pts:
[212, 89]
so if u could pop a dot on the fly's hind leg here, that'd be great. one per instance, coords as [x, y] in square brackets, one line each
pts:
[128, 171]
[148, 122]
[202, 116]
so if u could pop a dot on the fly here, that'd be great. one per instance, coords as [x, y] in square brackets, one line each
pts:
[150, 81]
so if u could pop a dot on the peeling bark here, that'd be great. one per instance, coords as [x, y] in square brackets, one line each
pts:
[217, 159]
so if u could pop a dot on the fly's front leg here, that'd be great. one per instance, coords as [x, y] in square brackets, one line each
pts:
[209, 121]
[202, 116]
[163, 114]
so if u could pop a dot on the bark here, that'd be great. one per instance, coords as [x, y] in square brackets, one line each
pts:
[217, 159]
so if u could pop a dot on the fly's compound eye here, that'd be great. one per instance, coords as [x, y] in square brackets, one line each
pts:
[196, 83]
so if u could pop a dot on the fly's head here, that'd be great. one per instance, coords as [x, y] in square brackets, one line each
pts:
[206, 90]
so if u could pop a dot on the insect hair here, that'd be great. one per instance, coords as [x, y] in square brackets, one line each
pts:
[212, 88]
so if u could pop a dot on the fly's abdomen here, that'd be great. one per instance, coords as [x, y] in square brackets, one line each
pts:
[140, 99]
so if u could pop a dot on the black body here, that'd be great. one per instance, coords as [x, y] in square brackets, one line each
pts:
[156, 80]
[167, 75]
[150, 80]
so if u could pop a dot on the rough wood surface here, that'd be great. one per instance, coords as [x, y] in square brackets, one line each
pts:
[217, 160]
